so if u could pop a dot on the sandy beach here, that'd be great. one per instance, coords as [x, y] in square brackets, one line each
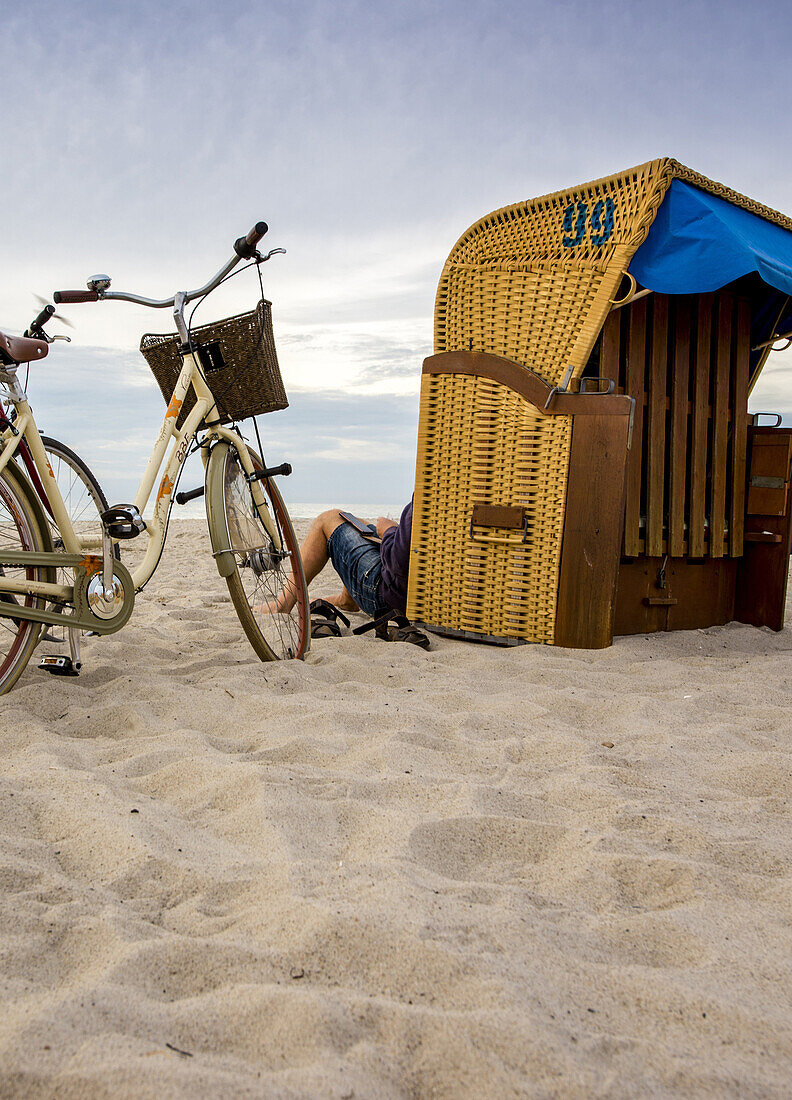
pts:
[473, 872]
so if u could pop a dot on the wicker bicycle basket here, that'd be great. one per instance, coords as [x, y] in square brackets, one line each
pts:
[237, 357]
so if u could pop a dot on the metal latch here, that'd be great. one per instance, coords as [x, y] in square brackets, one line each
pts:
[758, 482]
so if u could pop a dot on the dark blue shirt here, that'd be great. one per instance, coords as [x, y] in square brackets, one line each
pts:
[395, 556]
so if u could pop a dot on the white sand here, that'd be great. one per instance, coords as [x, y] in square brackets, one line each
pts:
[390, 873]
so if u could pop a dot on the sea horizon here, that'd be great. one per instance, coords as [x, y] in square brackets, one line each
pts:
[195, 509]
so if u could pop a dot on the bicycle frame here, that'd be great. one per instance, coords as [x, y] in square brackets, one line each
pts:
[180, 440]
[6, 430]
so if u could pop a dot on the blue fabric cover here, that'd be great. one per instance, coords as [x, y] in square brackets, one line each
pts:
[698, 243]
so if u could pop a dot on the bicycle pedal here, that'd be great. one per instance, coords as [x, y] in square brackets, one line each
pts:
[58, 666]
[123, 521]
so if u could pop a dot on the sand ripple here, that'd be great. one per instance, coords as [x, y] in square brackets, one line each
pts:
[390, 873]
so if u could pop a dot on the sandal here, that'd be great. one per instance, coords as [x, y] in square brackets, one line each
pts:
[402, 630]
[324, 620]
[409, 633]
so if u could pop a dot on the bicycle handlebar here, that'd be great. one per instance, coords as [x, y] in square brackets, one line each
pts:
[244, 249]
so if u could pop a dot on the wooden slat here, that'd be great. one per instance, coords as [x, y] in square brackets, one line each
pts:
[764, 567]
[767, 502]
[679, 423]
[609, 354]
[698, 468]
[656, 454]
[703, 593]
[740, 427]
[720, 427]
[768, 487]
[636, 370]
[592, 532]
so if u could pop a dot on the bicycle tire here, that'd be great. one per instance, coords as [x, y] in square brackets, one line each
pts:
[71, 471]
[85, 501]
[259, 573]
[19, 530]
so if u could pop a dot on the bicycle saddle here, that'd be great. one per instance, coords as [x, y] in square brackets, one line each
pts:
[21, 349]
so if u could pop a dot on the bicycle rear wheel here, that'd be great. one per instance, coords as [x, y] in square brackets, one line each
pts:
[85, 501]
[260, 570]
[19, 530]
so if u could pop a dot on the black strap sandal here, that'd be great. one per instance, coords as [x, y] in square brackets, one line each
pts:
[325, 619]
[393, 627]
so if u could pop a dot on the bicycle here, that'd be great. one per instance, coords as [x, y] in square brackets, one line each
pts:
[209, 384]
[79, 487]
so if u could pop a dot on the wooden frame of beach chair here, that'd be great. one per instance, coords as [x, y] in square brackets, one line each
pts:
[705, 540]
[538, 284]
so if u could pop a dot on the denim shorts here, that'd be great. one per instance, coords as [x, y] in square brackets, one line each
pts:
[356, 559]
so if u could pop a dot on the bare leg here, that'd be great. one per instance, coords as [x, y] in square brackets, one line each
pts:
[343, 601]
[313, 552]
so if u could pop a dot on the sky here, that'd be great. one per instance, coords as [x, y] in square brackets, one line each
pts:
[140, 139]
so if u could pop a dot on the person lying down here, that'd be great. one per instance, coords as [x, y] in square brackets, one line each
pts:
[372, 562]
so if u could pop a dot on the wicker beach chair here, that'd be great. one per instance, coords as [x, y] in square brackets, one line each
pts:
[524, 462]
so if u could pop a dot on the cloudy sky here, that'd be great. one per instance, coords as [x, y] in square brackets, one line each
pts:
[140, 139]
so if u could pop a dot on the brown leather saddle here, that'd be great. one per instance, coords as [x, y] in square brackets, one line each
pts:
[21, 349]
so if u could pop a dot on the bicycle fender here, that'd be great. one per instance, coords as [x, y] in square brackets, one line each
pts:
[21, 482]
[215, 512]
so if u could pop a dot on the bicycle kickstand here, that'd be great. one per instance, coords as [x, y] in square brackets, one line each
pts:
[64, 666]
[107, 563]
[74, 648]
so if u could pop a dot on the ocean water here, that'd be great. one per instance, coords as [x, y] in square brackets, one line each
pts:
[365, 511]
[194, 509]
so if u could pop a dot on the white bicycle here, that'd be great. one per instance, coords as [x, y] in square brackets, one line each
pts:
[56, 571]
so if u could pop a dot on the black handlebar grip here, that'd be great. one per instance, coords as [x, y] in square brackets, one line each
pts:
[43, 317]
[245, 247]
[272, 471]
[75, 296]
[191, 494]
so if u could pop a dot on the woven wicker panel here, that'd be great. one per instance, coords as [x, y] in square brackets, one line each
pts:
[502, 589]
[238, 360]
[526, 315]
[533, 281]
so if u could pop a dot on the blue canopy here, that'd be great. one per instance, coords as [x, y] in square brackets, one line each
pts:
[699, 242]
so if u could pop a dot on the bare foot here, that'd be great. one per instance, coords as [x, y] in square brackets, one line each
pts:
[343, 601]
[282, 605]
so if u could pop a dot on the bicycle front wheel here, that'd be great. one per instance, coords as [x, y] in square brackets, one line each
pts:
[19, 530]
[261, 573]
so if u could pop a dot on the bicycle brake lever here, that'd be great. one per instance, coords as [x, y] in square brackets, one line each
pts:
[58, 336]
[272, 252]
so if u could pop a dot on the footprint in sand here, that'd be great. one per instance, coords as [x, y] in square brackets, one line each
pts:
[484, 848]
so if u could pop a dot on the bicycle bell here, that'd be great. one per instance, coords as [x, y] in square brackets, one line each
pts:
[99, 282]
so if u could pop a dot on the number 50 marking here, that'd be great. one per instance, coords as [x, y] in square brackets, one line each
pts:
[576, 216]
